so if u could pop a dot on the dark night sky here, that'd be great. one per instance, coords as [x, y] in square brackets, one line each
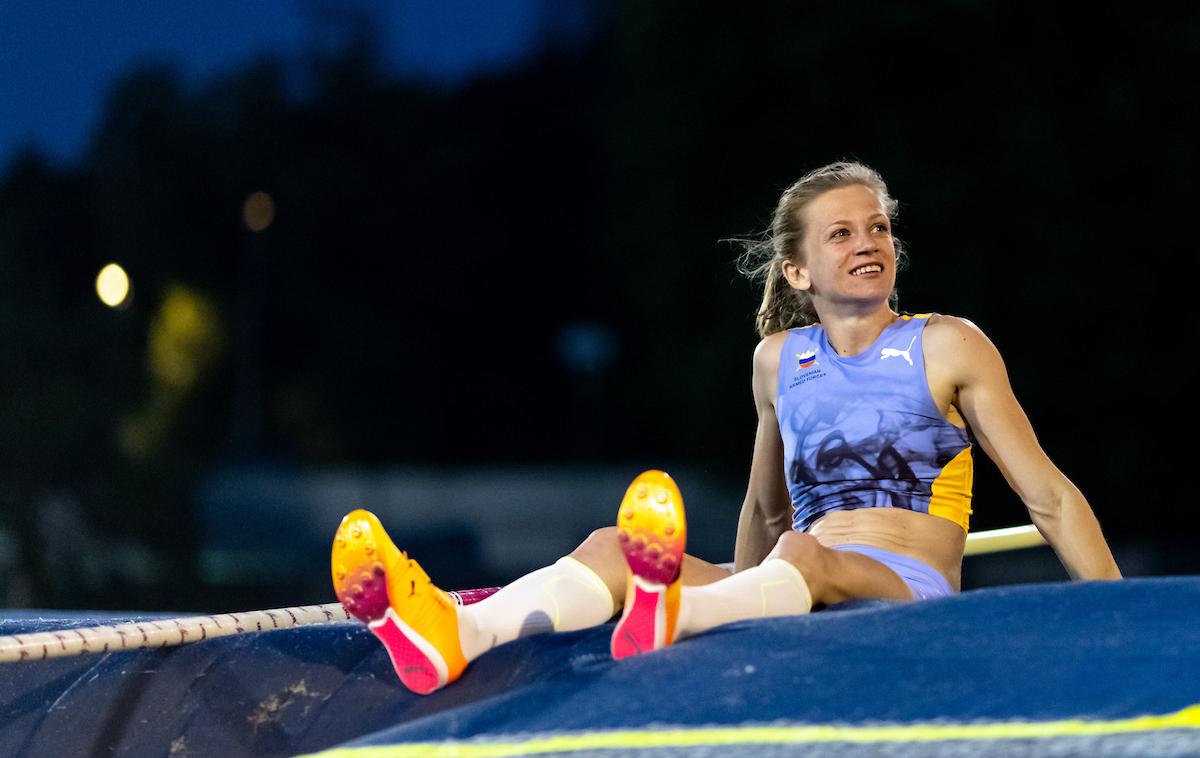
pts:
[59, 58]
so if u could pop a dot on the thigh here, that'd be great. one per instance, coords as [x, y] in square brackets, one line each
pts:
[834, 576]
[853, 575]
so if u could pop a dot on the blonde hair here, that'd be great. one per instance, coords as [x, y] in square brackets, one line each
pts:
[783, 307]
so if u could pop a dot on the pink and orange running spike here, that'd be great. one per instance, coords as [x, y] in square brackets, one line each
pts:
[380, 585]
[652, 532]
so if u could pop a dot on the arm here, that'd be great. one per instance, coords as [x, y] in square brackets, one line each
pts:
[766, 511]
[985, 399]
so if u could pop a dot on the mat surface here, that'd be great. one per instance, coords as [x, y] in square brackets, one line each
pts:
[1052, 669]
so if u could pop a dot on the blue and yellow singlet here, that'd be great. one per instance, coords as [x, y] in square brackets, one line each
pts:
[863, 431]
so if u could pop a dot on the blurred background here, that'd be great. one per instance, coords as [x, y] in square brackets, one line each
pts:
[462, 264]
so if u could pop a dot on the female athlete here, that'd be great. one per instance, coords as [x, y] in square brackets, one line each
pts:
[860, 483]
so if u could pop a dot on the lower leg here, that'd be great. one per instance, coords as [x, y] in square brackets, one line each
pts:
[773, 588]
[582, 590]
[562, 597]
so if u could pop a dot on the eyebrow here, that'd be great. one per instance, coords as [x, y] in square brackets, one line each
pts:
[844, 221]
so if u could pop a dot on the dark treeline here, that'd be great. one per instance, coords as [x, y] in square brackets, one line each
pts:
[433, 250]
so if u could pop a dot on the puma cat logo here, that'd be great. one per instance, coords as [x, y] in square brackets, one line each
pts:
[891, 352]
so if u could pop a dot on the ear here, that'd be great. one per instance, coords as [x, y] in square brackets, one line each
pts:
[796, 275]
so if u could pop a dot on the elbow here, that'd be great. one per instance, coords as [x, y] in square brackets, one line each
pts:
[1045, 511]
[777, 519]
[764, 511]
[1052, 503]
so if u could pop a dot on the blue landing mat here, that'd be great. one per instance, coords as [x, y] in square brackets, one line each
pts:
[1052, 669]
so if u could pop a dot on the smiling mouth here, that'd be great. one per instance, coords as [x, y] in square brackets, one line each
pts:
[870, 268]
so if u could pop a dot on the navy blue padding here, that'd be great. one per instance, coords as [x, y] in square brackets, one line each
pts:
[1034, 652]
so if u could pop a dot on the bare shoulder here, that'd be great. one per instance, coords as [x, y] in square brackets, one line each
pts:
[954, 334]
[766, 354]
[943, 326]
[957, 345]
[766, 369]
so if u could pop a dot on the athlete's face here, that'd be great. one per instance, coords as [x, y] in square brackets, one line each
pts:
[848, 254]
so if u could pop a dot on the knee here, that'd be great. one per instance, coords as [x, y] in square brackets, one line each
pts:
[799, 549]
[601, 552]
[604, 538]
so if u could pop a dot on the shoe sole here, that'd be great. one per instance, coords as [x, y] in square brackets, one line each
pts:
[372, 578]
[652, 534]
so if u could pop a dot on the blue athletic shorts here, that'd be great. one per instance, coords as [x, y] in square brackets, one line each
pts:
[924, 580]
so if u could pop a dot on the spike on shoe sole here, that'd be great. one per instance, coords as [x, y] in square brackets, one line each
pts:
[652, 533]
[381, 586]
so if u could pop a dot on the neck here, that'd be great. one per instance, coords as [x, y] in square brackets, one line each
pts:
[852, 333]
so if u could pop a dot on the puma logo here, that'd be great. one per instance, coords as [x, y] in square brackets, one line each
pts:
[891, 352]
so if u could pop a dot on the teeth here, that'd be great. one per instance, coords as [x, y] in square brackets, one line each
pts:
[866, 269]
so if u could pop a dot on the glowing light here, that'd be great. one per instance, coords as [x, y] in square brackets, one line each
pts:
[258, 211]
[185, 339]
[112, 285]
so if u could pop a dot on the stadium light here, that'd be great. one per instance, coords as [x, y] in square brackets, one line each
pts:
[258, 211]
[112, 285]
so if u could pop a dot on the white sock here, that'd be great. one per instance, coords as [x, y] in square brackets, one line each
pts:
[775, 588]
[561, 598]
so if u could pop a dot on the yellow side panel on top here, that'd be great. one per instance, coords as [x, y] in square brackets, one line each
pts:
[951, 497]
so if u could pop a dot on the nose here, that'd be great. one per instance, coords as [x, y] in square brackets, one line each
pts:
[865, 243]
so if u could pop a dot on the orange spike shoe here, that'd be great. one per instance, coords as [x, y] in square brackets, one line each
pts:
[380, 585]
[652, 533]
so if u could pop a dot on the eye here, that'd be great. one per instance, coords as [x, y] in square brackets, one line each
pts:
[840, 233]
[880, 227]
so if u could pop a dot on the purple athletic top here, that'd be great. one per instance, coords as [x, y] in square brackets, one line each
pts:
[863, 431]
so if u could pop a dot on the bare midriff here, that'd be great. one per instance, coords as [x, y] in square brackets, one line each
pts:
[934, 540]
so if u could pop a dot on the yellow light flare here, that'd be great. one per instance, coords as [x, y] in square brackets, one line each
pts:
[185, 339]
[112, 285]
[258, 211]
